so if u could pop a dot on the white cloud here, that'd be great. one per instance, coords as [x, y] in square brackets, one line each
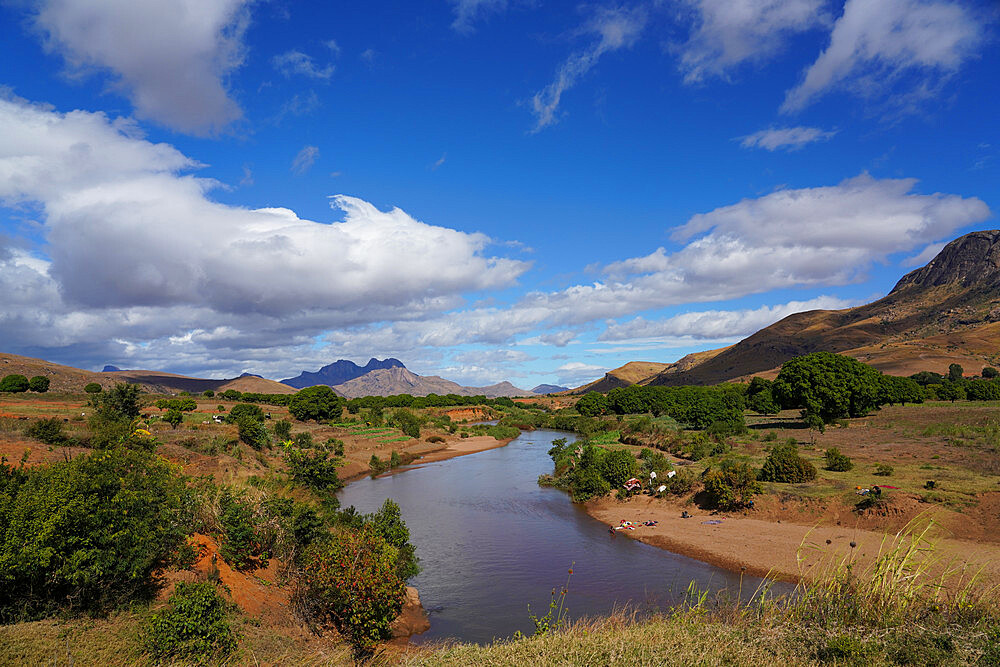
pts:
[294, 62]
[575, 373]
[787, 138]
[468, 12]
[440, 161]
[728, 33]
[305, 159]
[137, 251]
[874, 44]
[171, 59]
[924, 256]
[615, 29]
[717, 324]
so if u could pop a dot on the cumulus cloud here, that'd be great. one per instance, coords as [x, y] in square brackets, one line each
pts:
[170, 59]
[467, 12]
[305, 159]
[785, 138]
[875, 45]
[727, 33]
[614, 29]
[293, 63]
[575, 373]
[136, 246]
[716, 324]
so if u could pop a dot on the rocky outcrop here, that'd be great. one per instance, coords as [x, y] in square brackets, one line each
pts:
[971, 261]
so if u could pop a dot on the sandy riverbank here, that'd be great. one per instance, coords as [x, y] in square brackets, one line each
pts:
[782, 550]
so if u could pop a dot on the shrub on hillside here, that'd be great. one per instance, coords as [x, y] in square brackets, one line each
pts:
[92, 388]
[836, 461]
[14, 384]
[784, 464]
[174, 418]
[731, 486]
[195, 627]
[617, 466]
[88, 533]
[253, 433]
[282, 429]
[49, 431]
[319, 402]
[388, 523]
[351, 583]
[883, 470]
[315, 469]
[829, 386]
[245, 411]
[39, 384]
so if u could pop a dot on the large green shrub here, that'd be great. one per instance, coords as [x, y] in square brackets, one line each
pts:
[245, 411]
[314, 469]
[731, 486]
[784, 464]
[14, 384]
[829, 386]
[351, 583]
[120, 403]
[240, 545]
[174, 418]
[836, 461]
[388, 523]
[92, 388]
[319, 402]
[195, 627]
[252, 432]
[49, 431]
[88, 533]
[617, 466]
[592, 404]
[282, 429]
[39, 384]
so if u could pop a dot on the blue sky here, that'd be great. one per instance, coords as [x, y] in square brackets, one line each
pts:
[484, 189]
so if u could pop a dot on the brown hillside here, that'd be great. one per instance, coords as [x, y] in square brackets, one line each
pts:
[942, 313]
[642, 372]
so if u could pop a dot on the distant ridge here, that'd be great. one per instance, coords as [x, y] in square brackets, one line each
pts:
[340, 372]
[543, 389]
[399, 380]
[110, 369]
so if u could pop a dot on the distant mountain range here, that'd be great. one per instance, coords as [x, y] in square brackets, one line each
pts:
[340, 372]
[400, 380]
[943, 313]
[543, 389]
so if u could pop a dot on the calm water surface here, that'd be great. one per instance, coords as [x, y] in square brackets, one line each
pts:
[491, 541]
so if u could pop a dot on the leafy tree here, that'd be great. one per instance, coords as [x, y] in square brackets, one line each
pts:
[49, 431]
[617, 466]
[89, 532]
[924, 378]
[194, 628]
[252, 432]
[407, 422]
[174, 418]
[388, 523]
[92, 388]
[208, 393]
[232, 395]
[319, 402]
[982, 390]
[989, 372]
[592, 404]
[282, 429]
[955, 372]
[14, 384]
[951, 391]
[836, 461]
[759, 397]
[121, 402]
[38, 384]
[245, 411]
[784, 464]
[315, 469]
[352, 584]
[732, 486]
[901, 390]
[830, 386]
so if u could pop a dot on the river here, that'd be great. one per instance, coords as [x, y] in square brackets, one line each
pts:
[491, 541]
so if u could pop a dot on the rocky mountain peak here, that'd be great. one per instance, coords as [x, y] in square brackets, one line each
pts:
[972, 260]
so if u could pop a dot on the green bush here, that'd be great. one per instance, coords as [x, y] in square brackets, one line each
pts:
[49, 431]
[14, 384]
[253, 433]
[174, 418]
[732, 486]
[388, 523]
[336, 445]
[39, 384]
[208, 393]
[121, 402]
[304, 440]
[836, 461]
[245, 411]
[92, 388]
[407, 422]
[377, 465]
[922, 648]
[195, 627]
[89, 532]
[282, 429]
[319, 402]
[680, 484]
[351, 583]
[314, 469]
[617, 466]
[883, 470]
[240, 545]
[784, 464]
